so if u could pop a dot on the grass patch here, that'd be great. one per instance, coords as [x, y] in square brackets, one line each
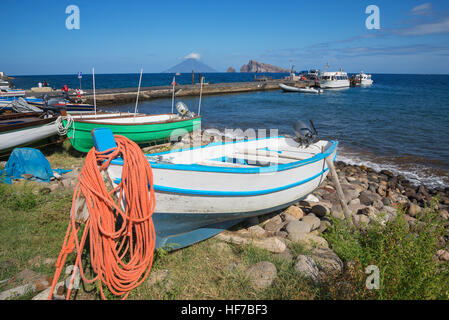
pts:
[33, 224]
[404, 255]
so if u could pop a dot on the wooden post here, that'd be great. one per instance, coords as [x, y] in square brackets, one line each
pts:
[340, 193]
[193, 77]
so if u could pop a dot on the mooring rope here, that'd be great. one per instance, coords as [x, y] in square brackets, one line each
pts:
[121, 241]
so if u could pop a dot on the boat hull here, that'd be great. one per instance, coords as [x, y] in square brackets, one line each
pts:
[295, 89]
[80, 136]
[196, 202]
[334, 84]
[25, 136]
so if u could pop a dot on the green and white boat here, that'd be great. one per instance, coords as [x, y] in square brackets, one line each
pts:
[143, 129]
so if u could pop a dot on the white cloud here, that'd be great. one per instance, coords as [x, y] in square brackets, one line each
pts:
[422, 9]
[427, 28]
[193, 55]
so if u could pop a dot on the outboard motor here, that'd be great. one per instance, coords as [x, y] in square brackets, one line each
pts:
[304, 134]
[183, 110]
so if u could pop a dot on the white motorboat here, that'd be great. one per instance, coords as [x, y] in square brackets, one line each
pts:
[363, 79]
[337, 79]
[197, 189]
[296, 89]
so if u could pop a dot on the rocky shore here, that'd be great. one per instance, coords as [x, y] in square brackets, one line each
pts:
[371, 197]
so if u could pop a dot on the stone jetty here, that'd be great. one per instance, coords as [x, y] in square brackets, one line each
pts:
[105, 97]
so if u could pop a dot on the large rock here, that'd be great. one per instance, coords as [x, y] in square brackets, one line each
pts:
[313, 240]
[274, 224]
[297, 229]
[370, 212]
[306, 266]
[414, 210]
[261, 275]
[368, 198]
[320, 210]
[361, 221]
[312, 220]
[295, 211]
[350, 192]
[272, 244]
[254, 66]
[327, 261]
[256, 231]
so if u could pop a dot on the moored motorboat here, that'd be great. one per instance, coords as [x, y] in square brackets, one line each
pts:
[332, 80]
[363, 79]
[287, 88]
[197, 188]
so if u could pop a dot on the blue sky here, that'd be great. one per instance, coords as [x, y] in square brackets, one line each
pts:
[123, 36]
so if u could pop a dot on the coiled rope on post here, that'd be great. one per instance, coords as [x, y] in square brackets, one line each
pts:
[62, 130]
[121, 241]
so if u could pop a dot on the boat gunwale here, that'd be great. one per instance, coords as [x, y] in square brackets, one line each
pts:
[247, 193]
[133, 124]
[33, 123]
[204, 168]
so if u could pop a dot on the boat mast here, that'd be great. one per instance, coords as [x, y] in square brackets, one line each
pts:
[138, 91]
[173, 95]
[95, 100]
[201, 93]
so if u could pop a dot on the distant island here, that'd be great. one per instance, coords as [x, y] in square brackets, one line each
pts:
[188, 65]
[254, 66]
[230, 69]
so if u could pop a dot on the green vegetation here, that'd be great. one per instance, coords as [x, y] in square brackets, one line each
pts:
[404, 255]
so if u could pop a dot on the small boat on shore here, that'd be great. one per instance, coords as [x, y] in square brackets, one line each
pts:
[140, 128]
[11, 93]
[19, 129]
[287, 88]
[197, 189]
[62, 104]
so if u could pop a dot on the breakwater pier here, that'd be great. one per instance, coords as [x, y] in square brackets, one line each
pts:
[106, 97]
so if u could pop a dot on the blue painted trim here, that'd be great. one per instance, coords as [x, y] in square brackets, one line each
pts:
[232, 193]
[203, 168]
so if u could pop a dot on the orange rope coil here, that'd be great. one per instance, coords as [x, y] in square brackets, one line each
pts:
[121, 241]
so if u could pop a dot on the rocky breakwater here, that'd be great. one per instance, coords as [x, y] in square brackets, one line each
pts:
[370, 196]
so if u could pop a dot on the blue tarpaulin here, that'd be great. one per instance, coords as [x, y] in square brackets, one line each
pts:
[27, 161]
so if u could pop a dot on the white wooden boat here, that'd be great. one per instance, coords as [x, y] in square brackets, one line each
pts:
[11, 93]
[295, 89]
[21, 129]
[202, 190]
